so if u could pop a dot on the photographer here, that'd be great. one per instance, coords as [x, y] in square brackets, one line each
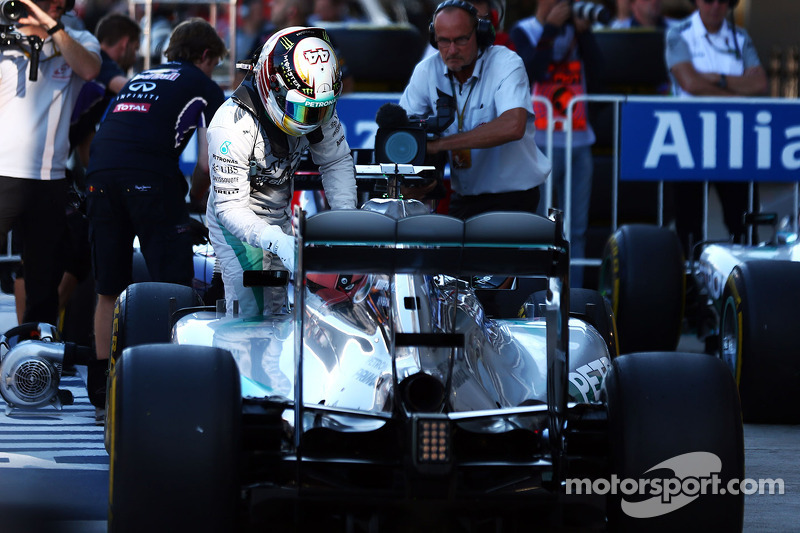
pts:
[34, 142]
[560, 52]
[494, 161]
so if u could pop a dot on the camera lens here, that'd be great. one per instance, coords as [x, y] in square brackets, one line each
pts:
[401, 147]
[11, 10]
[592, 12]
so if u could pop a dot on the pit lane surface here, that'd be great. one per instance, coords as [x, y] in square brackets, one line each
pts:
[54, 468]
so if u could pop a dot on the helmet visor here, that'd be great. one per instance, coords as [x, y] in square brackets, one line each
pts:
[309, 111]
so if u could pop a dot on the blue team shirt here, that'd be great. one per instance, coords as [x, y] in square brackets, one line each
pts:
[151, 120]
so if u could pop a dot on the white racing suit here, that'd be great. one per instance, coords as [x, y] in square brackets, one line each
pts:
[252, 186]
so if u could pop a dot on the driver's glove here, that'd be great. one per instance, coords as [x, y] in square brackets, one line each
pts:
[276, 241]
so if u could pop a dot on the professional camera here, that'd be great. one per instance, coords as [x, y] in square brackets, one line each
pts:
[592, 12]
[402, 139]
[11, 11]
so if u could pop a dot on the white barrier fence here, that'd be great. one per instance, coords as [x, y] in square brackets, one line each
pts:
[661, 139]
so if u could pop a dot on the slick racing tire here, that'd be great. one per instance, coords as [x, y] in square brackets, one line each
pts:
[757, 338]
[587, 305]
[143, 313]
[642, 274]
[175, 440]
[674, 420]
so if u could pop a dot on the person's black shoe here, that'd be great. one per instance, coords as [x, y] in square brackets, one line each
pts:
[97, 372]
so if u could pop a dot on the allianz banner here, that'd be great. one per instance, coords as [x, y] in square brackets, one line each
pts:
[710, 139]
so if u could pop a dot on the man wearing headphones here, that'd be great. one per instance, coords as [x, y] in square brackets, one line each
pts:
[494, 161]
[708, 56]
[34, 141]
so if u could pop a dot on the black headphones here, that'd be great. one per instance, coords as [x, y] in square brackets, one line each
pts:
[731, 3]
[484, 31]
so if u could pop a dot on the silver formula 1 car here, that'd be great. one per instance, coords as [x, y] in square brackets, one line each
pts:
[385, 399]
[741, 300]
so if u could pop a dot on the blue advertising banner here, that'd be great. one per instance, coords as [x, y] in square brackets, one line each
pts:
[705, 139]
[357, 113]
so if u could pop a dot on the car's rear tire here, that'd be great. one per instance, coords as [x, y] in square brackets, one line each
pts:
[662, 406]
[760, 312]
[642, 274]
[175, 440]
[600, 316]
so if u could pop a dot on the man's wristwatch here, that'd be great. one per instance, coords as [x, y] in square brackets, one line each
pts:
[723, 81]
[59, 26]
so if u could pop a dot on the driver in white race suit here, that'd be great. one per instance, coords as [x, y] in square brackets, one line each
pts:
[255, 140]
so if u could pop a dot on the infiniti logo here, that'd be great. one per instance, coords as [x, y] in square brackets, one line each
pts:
[143, 86]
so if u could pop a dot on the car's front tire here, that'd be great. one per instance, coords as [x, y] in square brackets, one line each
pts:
[642, 274]
[758, 342]
[143, 313]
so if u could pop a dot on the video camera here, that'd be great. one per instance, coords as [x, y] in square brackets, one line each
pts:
[591, 12]
[11, 11]
[402, 139]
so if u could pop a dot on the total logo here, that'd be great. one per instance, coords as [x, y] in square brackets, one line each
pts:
[124, 107]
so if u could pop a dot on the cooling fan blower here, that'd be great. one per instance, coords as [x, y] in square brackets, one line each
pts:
[31, 359]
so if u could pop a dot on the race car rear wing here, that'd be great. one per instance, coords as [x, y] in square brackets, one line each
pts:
[512, 243]
[504, 243]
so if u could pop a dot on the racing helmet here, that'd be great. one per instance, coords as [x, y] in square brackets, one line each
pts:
[336, 288]
[298, 79]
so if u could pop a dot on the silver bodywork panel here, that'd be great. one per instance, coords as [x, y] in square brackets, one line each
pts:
[347, 357]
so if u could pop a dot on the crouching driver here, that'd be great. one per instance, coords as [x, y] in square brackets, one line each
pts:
[255, 140]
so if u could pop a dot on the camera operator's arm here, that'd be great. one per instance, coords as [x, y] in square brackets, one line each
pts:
[508, 127]
[590, 54]
[84, 63]
[538, 54]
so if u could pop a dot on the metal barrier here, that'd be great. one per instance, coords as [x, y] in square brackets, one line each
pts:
[7, 255]
[761, 136]
[548, 105]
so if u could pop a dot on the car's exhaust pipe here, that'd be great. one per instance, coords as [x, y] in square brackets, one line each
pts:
[422, 393]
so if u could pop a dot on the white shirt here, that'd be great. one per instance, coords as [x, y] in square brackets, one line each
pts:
[35, 115]
[709, 52]
[498, 83]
